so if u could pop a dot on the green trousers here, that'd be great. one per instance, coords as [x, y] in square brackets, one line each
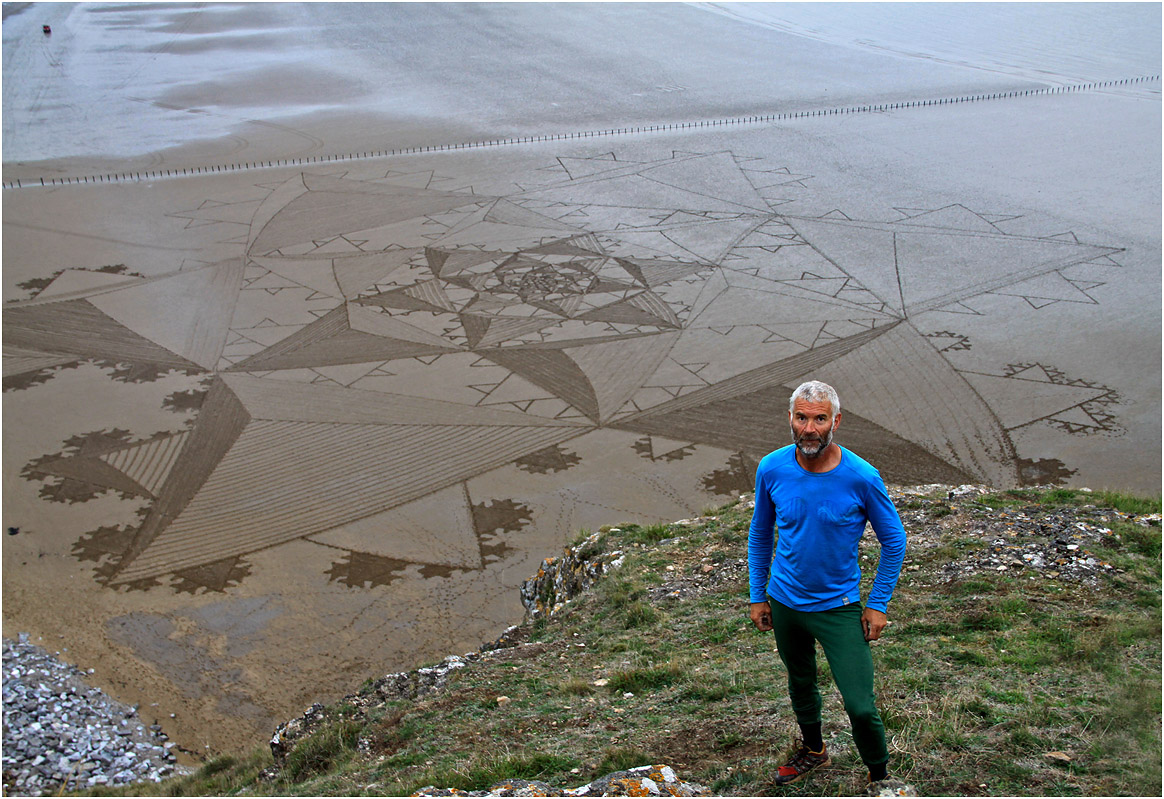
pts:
[850, 660]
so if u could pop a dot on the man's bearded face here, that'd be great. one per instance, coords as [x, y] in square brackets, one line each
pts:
[812, 425]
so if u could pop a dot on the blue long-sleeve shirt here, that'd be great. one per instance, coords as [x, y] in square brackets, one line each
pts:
[821, 518]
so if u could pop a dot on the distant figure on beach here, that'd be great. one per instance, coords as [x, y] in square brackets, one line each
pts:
[820, 496]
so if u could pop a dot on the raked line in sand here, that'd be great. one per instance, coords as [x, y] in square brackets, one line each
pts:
[746, 120]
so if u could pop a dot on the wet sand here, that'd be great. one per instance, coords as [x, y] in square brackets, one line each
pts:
[270, 432]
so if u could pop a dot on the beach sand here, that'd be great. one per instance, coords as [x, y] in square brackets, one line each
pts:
[271, 431]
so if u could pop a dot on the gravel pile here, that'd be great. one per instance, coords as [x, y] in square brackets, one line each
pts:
[1051, 544]
[59, 732]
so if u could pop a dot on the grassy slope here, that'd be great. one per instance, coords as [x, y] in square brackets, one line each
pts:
[978, 678]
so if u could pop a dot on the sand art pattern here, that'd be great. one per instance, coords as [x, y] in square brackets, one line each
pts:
[387, 339]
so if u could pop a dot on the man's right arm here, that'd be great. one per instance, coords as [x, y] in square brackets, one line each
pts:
[761, 540]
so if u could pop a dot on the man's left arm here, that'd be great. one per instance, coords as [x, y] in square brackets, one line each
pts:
[891, 534]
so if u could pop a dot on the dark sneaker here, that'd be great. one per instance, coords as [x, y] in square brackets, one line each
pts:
[804, 761]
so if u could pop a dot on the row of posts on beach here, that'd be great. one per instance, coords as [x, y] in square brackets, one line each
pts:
[206, 170]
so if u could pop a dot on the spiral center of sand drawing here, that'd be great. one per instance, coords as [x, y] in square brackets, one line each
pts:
[540, 282]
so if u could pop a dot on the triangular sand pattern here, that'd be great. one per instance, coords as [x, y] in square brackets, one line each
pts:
[187, 312]
[449, 378]
[632, 312]
[331, 324]
[1051, 286]
[552, 370]
[716, 355]
[92, 470]
[296, 375]
[674, 375]
[649, 302]
[271, 281]
[347, 334]
[765, 376]
[804, 333]
[311, 272]
[711, 289]
[711, 241]
[345, 346]
[334, 206]
[578, 168]
[583, 245]
[514, 391]
[419, 180]
[346, 374]
[621, 169]
[490, 235]
[19, 364]
[274, 203]
[1018, 401]
[632, 191]
[272, 400]
[787, 263]
[862, 251]
[340, 245]
[503, 212]
[220, 422]
[401, 300]
[953, 217]
[828, 286]
[213, 211]
[82, 281]
[461, 219]
[767, 178]
[450, 263]
[748, 305]
[475, 327]
[717, 175]
[982, 264]
[290, 306]
[756, 423]
[939, 268]
[1078, 417]
[658, 273]
[149, 463]
[260, 494]
[612, 221]
[500, 330]
[437, 528]
[76, 327]
[616, 369]
[430, 293]
[902, 383]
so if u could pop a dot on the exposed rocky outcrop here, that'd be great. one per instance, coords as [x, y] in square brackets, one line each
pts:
[562, 578]
[656, 780]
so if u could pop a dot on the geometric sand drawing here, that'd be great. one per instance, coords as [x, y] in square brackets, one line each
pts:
[385, 341]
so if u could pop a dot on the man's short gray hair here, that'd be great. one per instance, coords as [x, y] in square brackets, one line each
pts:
[815, 391]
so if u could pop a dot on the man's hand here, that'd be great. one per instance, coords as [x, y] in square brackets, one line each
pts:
[761, 616]
[872, 623]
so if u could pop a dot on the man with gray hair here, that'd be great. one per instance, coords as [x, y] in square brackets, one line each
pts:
[805, 583]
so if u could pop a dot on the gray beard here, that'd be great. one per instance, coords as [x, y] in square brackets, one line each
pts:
[812, 449]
